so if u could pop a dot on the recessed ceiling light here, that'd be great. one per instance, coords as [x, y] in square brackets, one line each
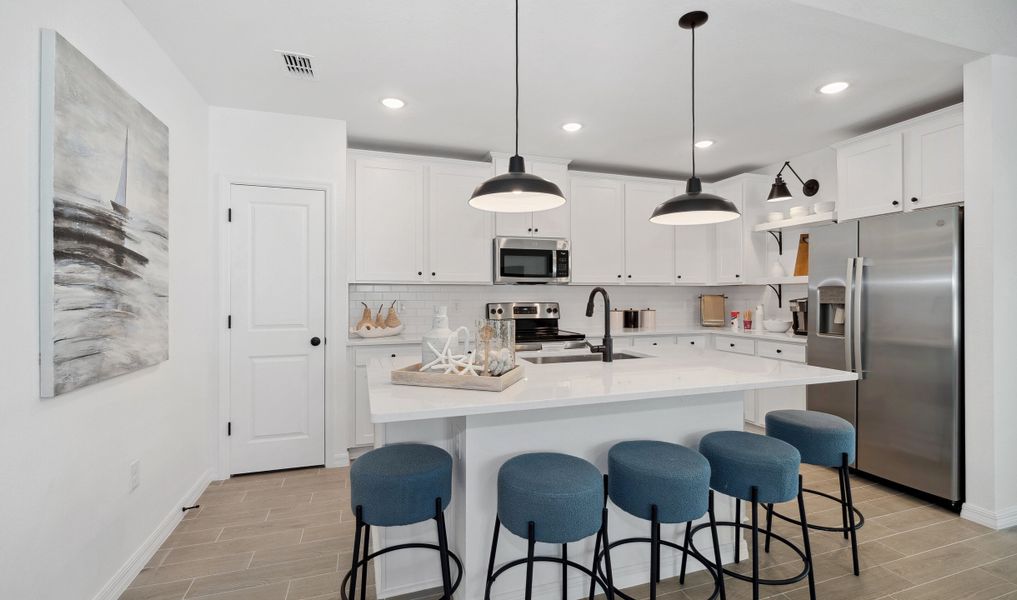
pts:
[704, 143]
[393, 103]
[572, 127]
[834, 88]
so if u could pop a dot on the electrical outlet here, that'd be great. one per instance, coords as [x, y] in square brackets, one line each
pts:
[135, 475]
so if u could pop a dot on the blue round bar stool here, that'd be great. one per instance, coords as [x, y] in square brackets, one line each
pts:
[828, 441]
[555, 499]
[400, 484]
[760, 470]
[662, 482]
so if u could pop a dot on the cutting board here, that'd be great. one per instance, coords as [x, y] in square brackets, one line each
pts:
[802, 260]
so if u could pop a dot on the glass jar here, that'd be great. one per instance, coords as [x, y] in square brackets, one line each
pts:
[496, 346]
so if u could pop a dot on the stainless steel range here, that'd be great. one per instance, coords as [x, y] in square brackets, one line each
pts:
[536, 325]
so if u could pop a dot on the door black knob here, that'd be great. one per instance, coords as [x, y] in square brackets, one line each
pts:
[316, 341]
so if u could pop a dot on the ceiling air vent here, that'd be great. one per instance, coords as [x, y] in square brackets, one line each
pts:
[297, 65]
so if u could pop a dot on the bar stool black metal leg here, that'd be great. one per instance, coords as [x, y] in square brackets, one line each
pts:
[850, 511]
[596, 555]
[490, 563]
[738, 531]
[530, 543]
[755, 543]
[842, 475]
[654, 553]
[716, 550]
[685, 552]
[564, 572]
[356, 552]
[607, 554]
[658, 548]
[805, 541]
[367, 553]
[769, 526]
[446, 574]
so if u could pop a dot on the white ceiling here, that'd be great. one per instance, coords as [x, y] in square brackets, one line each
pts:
[620, 68]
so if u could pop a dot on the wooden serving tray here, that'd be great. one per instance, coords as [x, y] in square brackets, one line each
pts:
[411, 375]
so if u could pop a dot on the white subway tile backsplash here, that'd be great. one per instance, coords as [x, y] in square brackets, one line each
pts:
[675, 306]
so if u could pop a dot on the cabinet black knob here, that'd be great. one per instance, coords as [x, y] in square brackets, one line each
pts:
[737, 275]
[630, 277]
[393, 356]
[536, 229]
[732, 345]
[433, 273]
[778, 350]
[420, 272]
[619, 277]
[914, 199]
[529, 229]
[895, 203]
[679, 277]
[693, 343]
[316, 341]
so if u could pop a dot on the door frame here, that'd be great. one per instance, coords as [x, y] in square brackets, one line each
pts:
[336, 300]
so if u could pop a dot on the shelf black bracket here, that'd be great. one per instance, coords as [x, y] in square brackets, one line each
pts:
[779, 236]
[779, 290]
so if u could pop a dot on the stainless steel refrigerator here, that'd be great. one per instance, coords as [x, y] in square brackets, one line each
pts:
[885, 301]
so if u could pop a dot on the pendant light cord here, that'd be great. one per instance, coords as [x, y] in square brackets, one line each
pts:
[693, 100]
[517, 77]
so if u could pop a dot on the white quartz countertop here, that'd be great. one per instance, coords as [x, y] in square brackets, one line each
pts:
[597, 331]
[666, 372]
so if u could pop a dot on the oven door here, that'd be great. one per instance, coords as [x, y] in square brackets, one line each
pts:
[530, 260]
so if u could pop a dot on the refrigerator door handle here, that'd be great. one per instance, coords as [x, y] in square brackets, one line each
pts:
[849, 284]
[856, 316]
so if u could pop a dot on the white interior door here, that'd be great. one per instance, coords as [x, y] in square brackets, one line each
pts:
[277, 310]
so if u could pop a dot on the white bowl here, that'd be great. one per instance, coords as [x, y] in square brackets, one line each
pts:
[799, 211]
[776, 325]
[774, 216]
[824, 207]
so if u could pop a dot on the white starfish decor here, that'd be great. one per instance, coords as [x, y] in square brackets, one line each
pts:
[448, 362]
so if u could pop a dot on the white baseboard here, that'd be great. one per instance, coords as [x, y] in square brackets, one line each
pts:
[339, 459]
[996, 520]
[130, 569]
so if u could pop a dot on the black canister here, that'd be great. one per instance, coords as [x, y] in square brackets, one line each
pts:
[631, 318]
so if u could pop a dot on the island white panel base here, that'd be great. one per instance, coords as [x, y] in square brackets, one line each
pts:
[480, 444]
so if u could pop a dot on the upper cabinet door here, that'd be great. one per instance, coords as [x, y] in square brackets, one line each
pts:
[389, 204]
[870, 177]
[459, 236]
[729, 237]
[555, 222]
[546, 223]
[693, 248]
[649, 248]
[598, 251]
[934, 161]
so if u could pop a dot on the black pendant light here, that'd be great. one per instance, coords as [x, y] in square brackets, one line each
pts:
[694, 207]
[517, 191]
[779, 191]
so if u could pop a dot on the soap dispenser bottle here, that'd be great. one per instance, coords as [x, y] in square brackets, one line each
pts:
[434, 340]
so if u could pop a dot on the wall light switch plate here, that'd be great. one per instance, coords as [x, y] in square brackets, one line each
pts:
[135, 475]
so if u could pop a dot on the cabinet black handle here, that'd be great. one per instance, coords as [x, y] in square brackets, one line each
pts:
[316, 341]
[914, 199]
[778, 350]
[895, 203]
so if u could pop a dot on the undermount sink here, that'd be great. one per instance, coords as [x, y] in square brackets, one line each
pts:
[570, 358]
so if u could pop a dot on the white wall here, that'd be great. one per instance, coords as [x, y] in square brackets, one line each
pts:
[990, 191]
[69, 527]
[259, 147]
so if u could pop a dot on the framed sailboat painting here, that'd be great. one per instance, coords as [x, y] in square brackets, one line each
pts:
[104, 234]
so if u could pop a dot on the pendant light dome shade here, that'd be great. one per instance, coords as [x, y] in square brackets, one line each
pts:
[517, 191]
[694, 207]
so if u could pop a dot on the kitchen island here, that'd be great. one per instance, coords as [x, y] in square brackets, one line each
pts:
[580, 408]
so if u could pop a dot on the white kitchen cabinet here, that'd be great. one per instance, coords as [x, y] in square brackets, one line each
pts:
[729, 237]
[653, 341]
[696, 341]
[693, 254]
[598, 249]
[389, 207]
[649, 247]
[934, 160]
[363, 433]
[732, 343]
[870, 176]
[459, 236]
[546, 223]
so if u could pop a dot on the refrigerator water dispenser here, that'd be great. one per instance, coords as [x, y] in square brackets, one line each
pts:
[831, 310]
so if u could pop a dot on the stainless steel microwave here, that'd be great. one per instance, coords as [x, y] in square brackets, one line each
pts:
[531, 260]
